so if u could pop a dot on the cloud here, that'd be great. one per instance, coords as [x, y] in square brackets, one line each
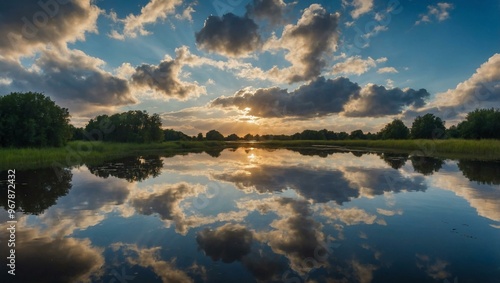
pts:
[317, 98]
[229, 35]
[435, 269]
[360, 7]
[150, 258]
[485, 199]
[440, 12]
[228, 243]
[324, 97]
[349, 216]
[318, 185]
[356, 65]
[307, 42]
[376, 101]
[71, 260]
[153, 11]
[271, 10]
[481, 90]
[28, 26]
[233, 242]
[87, 203]
[376, 30]
[165, 202]
[73, 78]
[164, 78]
[376, 181]
[385, 70]
[296, 234]
[187, 13]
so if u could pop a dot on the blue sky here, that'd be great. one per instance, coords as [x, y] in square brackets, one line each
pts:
[259, 66]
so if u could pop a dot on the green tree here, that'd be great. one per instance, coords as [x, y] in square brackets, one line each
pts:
[32, 120]
[232, 137]
[172, 135]
[343, 136]
[481, 124]
[428, 127]
[132, 126]
[199, 137]
[453, 132]
[357, 135]
[312, 135]
[395, 130]
[248, 137]
[214, 135]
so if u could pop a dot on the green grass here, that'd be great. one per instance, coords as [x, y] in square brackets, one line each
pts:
[80, 152]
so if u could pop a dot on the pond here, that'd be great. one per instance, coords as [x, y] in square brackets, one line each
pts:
[257, 215]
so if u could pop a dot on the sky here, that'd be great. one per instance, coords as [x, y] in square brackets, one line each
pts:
[256, 66]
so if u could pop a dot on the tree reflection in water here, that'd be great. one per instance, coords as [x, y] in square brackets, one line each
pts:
[39, 189]
[426, 165]
[483, 172]
[132, 169]
[395, 160]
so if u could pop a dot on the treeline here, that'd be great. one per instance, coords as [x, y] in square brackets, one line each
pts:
[132, 126]
[479, 124]
[34, 120]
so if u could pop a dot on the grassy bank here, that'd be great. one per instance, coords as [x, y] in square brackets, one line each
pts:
[477, 149]
[80, 152]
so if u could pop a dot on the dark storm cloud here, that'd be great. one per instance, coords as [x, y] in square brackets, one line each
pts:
[69, 76]
[271, 10]
[27, 24]
[227, 243]
[317, 98]
[376, 101]
[230, 35]
[315, 184]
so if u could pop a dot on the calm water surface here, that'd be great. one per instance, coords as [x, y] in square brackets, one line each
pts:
[250, 215]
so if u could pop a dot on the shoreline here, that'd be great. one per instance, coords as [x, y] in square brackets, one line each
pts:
[81, 152]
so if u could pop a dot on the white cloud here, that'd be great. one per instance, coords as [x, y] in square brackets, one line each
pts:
[387, 70]
[356, 65]
[481, 90]
[187, 13]
[154, 11]
[308, 42]
[360, 7]
[376, 30]
[440, 12]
